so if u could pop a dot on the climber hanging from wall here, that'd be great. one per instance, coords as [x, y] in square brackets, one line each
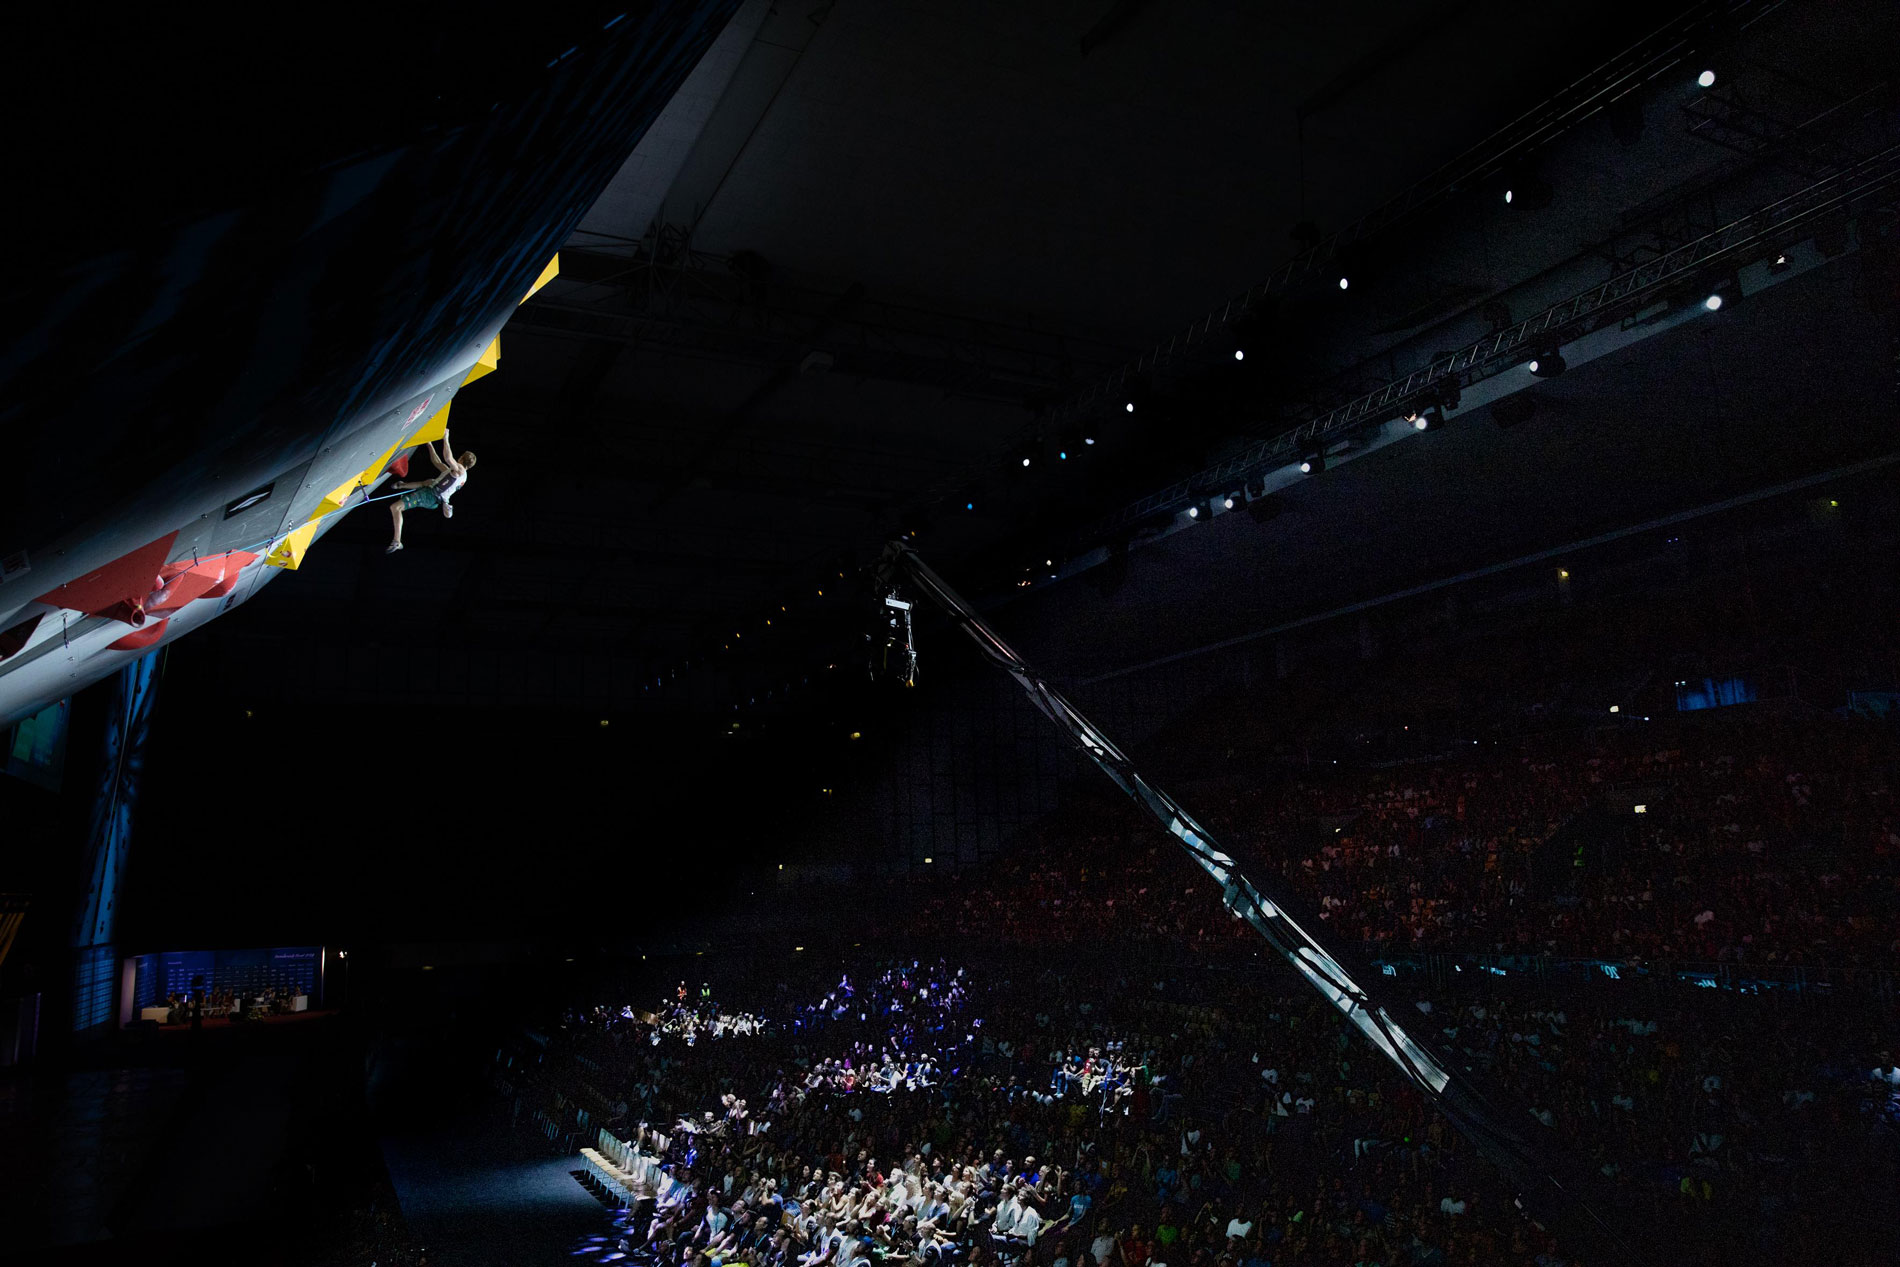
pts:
[431, 494]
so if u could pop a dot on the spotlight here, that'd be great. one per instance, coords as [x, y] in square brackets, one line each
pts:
[1418, 420]
[1240, 354]
[1547, 364]
[1527, 189]
[1088, 440]
[1313, 464]
[1779, 264]
[1025, 461]
[1062, 455]
[1129, 407]
[1230, 501]
[1342, 283]
[1194, 512]
[969, 505]
[1713, 303]
[1706, 79]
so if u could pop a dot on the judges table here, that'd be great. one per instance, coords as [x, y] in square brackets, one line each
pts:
[159, 1014]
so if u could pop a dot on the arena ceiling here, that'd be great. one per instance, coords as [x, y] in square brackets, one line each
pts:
[846, 277]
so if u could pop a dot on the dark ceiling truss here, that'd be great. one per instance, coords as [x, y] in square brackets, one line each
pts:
[658, 442]
[1207, 340]
[1811, 149]
[1627, 72]
[1656, 228]
[779, 469]
[673, 297]
[1870, 185]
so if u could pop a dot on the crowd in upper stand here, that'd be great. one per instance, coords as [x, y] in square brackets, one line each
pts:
[1774, 839]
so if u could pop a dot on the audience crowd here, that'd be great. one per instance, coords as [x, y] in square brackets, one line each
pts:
[1056, 1097]
[1768, 841]
[1227, 1121]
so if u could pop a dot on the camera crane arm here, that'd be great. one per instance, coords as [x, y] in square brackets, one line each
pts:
[1549, 1183]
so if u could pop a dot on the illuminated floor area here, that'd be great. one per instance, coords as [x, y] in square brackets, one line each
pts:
[476, 1197]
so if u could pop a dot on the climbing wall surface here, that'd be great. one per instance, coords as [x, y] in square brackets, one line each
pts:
[84, 628]
[158, 472]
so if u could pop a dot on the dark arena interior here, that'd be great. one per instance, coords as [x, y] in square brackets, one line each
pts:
[1087, 633]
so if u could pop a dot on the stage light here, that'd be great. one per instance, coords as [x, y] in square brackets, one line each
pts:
[857, 734]
[1025, 461]
[1228, 502]
[1642, 809]
[603, 723]
[1240, 354]
[1088, 440]
[1713, 303]
[969, 505]
[1129, 407]
[1313, 464]
[1062, 455]
[1780, 263]
[1194, 512]
[1529, 190]
[1563, 574]
[1418, 421]
[1706, 79]
[928, 861]
[1547, 364]
[1616, 708]
[1342, 283]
